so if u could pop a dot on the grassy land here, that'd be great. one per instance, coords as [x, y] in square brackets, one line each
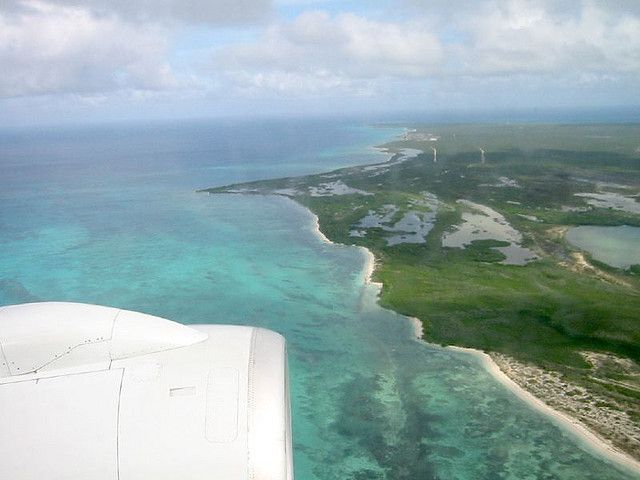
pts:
[548, 312]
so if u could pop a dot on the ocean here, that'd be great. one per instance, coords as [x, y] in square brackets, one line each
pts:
[110, 215]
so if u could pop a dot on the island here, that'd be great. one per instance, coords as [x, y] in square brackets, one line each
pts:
[521, 241]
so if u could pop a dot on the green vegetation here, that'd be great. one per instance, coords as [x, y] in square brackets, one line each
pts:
[546, 312]
[594, 139]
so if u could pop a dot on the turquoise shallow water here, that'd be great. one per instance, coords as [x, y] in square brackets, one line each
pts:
[95, 217]
[615, 246]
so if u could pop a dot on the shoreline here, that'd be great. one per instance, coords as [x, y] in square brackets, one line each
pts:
[316, 225]
[592, 440]
[369, 268]
[418, 329]
[596, 443]
[370, 259]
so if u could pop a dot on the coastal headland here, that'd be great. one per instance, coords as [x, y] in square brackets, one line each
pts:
[466, 226]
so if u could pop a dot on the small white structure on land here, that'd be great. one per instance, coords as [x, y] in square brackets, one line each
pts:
[99, 393]
[435, 154]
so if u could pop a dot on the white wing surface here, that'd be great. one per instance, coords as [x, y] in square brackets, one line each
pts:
[90, 392]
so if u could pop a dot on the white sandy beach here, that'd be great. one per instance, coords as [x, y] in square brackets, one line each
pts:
[594, 441]
[418, 330]
[370, 260]
[369, 268]
[316, 229]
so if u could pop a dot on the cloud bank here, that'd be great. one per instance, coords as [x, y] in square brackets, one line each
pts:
[253, 50]
[206, 12]
[316, 51]
[523, 37]
[47, 49]
[494, 39]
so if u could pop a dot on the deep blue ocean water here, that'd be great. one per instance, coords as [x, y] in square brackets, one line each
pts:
[109, 215]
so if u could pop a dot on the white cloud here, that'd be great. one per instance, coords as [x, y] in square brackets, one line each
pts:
[522, 37]
[342, 52]
[211, 12]
[556, 8]
[122, 50]
[53, 49]
[499, 38]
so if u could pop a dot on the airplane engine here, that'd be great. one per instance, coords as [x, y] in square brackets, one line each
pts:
[98, 393]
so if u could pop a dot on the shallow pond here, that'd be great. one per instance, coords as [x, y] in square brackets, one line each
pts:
[615, 246]
[615, 201]
[484, 223]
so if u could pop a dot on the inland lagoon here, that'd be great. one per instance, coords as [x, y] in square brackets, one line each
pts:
[616, 246]
[110, 216]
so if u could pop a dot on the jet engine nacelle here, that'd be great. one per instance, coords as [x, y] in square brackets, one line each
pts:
[91, 392]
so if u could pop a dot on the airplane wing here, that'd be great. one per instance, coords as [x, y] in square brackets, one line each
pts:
[99, 393]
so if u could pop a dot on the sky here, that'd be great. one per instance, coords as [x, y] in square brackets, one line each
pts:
[106, 60]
